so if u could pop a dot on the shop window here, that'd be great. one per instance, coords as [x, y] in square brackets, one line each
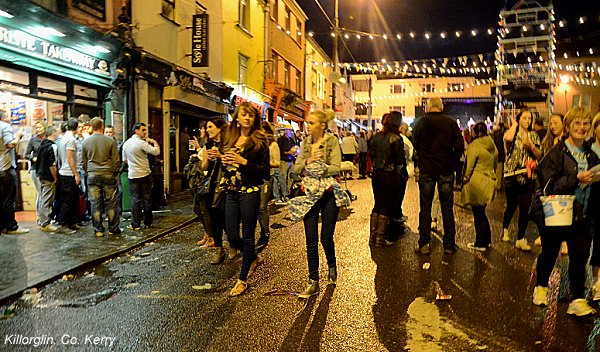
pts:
[85, 95]
[244, 14]
[243, 69]
[168, 9]
[51, 88]
[154, 96]
[14, 81]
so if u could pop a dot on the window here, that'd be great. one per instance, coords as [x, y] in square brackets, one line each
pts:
[244, 19]
[243, 68]
[397, 88]
[286, 74]
[456, 87]
[288, 19]
[298, 31]
[427, 87]
[401, 109]
[298, 82]
[275, 67]
[320, 78]
[361, 85]
[168, 9]
[275, 13]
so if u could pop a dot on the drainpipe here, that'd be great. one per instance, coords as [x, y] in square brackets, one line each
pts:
[266, 46]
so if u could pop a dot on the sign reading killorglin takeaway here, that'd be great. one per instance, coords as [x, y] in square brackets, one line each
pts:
[200, 40]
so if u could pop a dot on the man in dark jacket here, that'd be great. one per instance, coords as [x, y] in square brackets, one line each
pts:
[47, 173]
[438, 146]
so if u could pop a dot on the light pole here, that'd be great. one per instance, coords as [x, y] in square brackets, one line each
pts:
[336, 24]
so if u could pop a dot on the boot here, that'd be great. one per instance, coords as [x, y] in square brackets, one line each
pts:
[382, 226]
[373, 228]
[310, 290]
[332, 277]
[209, 244]
[219, 257]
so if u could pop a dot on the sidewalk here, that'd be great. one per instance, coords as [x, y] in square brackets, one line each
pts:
[38, 257]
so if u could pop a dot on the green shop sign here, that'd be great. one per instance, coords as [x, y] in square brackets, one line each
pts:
[26, 44]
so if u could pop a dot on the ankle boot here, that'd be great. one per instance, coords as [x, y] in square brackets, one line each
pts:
[203, 240]
[209, 244]
[382, 226]
[332, 277]
[373, 228]
[219, 257]
[310, 290]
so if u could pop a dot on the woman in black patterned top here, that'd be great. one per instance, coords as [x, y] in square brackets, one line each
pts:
[246, 167]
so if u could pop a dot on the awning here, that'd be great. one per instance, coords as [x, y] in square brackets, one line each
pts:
[37, 38]
[186, 98]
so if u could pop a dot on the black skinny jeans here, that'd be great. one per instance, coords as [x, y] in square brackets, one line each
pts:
[386, 186]
[141, 200]
[579, 239]
[483, 234]
[242, 208]
[329, 214]
[518, 196]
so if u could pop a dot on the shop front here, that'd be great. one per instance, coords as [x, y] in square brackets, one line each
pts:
[51, 69]
[287, 106]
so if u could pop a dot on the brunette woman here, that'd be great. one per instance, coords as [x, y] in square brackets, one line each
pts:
[479, 183]
[565, 170]
[211, 163]
[595, 260]
[523, 146]
[246, 167]
[265, 192]
[319, 162]
[389, 167]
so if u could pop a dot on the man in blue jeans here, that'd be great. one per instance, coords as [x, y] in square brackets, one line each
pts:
[439, 146]
[135, 154]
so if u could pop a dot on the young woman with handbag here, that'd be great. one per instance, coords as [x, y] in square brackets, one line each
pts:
[246, 167]
[565, 171]
[524, 150]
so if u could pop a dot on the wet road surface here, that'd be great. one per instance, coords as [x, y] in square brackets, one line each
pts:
[384, 299]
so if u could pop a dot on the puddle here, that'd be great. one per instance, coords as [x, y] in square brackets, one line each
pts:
[80, 302]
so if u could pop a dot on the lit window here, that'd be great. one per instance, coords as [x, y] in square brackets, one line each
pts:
[298, 81]
[243, 69]
[244, 19]
[286, 74]
[168, 9]
[288, 19]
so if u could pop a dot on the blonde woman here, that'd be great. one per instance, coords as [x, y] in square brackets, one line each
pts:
[595, 260]
[319, 162]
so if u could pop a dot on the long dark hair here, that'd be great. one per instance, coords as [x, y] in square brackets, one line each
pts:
[521, 114]
[256, 138]
[219, 123]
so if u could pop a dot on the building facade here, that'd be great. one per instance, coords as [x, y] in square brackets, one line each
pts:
[317, 76]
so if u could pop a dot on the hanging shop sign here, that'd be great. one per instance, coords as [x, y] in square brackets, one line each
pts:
[200, 40]
[192, 83]
[96, 8]
[25, 43]
[261, 107]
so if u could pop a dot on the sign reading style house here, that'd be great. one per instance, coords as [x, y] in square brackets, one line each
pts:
[200, 40]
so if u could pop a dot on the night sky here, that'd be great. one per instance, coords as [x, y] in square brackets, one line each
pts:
[436, 16]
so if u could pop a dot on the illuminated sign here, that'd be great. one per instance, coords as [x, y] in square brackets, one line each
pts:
[27, 43]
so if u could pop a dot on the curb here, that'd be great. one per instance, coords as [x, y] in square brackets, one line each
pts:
[98, 260]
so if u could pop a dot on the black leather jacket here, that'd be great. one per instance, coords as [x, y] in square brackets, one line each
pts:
[557, 174]
[387, 153]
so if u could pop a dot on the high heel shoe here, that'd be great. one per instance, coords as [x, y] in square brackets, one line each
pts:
[203, 240]
[210, 243]
[219, 257]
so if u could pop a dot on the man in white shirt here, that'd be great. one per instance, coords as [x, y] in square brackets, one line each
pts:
[8, 176]
[69, 177]
[135, 154]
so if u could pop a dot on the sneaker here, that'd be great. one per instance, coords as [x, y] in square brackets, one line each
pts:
[99, 233]
[476, 248]
[49, 228]
[538, 242]
[310, 290]
[115, 232]
[596, 292]
[425, 249]
[450, 250]
[580, 308]
[539, 296]
[134, 228]
[280, 202]
[505, 235]
[239, 288]
[522, 245]
[332, 277]
[17, 231]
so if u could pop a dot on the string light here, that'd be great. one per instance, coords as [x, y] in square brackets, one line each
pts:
[457, 34]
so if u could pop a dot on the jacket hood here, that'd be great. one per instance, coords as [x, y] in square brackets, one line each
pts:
[486, 142]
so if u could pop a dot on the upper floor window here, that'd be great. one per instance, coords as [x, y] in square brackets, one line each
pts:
[456, 87]
[298, 31]
[288, 19]
[401, 109]
[428, 87]
[275, 67]
[286, 74]
[397, 88]
[243, 69]
[275, 13]
[320, 78]
[244, 14]
[168, 9]
[298, 82]
[361, 85]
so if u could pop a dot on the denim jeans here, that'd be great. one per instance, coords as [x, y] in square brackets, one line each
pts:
[102, 191]
[329, 214]
[141, 200]
[483, 233]
[445, 185]
[242, 208]
[8, 199]
[69, 201]
[46, 196]
[280, 188]
[263, 212]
